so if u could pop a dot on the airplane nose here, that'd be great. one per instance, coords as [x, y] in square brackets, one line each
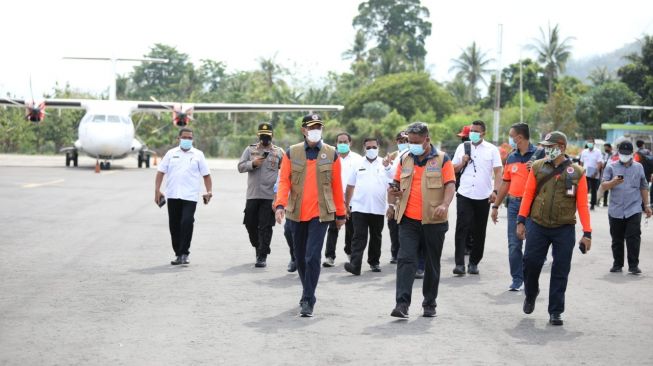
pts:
[106, 141]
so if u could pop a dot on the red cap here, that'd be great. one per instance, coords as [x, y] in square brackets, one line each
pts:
[465, 131]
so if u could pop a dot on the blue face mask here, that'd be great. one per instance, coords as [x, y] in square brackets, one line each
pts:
[590, 145]
[185, 144]
[416, 149]
[343, 148]
[512, 142]
[402, 147]
[474, 137]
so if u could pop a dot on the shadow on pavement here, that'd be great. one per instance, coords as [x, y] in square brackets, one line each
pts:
[289, 280]
[527, 333]
[240, 269]
[506, 297]
[289, 319]
[164, 268]
[622, 277]
[416, 325]
[459, 281]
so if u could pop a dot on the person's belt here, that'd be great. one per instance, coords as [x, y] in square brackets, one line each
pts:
[513, 197]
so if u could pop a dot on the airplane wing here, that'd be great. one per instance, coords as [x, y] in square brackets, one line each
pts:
[49, 103]
[229, 107]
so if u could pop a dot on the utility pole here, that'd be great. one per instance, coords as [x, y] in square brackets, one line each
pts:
[497, 88]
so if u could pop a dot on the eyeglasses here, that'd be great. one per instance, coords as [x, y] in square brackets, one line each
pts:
[371, 147]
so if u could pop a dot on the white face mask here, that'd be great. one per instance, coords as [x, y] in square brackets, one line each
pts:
[372, 153]
[552, 152]
[625, 158]
[314, 135]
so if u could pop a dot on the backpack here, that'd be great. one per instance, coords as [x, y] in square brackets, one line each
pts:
[467, 145]
[647, 163]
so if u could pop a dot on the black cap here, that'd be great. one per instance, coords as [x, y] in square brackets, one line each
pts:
[311, 119]
[264, 129]
[625, 147]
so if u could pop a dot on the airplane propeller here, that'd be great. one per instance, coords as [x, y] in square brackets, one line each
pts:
[180, 117]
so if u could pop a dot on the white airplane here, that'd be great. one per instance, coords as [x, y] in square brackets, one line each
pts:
[106, 131]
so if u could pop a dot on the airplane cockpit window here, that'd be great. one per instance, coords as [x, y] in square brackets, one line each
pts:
[99, 118]
[113, 119]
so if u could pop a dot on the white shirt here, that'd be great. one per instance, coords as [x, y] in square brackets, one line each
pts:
[346, 166]
[590, 160]
[371, 182]
[392, 168]
[476, 181]
[183, 172]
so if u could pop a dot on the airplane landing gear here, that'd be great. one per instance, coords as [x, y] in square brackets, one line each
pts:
[105, 165]
[71, 156]
[143, 159]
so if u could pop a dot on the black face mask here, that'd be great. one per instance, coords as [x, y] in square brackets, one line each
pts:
[265, 139]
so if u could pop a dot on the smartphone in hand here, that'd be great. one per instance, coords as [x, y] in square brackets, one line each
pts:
[620, 177]
[162, 201]
[581, 247]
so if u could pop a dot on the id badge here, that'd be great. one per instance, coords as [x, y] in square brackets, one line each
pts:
[571, 192]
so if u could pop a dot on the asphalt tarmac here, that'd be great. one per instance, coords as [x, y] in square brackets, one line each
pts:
[86, 280]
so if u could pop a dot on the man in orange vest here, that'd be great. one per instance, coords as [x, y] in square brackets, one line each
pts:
[310, 195]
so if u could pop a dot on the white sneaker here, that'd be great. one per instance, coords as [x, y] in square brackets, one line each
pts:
[329, 262]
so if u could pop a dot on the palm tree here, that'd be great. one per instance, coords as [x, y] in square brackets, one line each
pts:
[472, 65]
[600, 76]
[552, 53]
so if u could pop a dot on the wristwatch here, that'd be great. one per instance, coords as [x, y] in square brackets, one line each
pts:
[495, 207]
[392, 205]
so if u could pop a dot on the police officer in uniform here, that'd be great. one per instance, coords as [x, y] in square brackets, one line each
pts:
[310, 196]
[261, 161]
[555, 189]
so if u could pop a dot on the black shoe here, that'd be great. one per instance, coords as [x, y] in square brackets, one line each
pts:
[260, 262]
[400, 311]
[429, 311]
[306, 311]
[459, 270]
[177, 261]
[393, 260]
[529, 304]
[375, 268]
[472, 269]
[634, 270]
[615, 269]
[184, 259]
[292, 266]
[419, 274]
[592, 208]
[352, 269]
[555, 319]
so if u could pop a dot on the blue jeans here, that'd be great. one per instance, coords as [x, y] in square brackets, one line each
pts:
[308, 238]
[538, 239]
[515, 256]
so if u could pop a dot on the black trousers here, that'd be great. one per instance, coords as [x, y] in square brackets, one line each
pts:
[393, 228]
[627, 229]
[332, 238]
[259, 220]
[287, 233]
[411, 234]
[181, 217]
[593, 186]
[364, 222]
[471, 219]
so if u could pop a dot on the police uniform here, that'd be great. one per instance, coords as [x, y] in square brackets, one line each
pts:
[552, 209]
[310, 192]
[259, 216]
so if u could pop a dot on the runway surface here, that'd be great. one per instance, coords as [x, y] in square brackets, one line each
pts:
[86, 280]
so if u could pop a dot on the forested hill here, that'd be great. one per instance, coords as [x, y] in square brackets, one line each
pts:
[581, 68]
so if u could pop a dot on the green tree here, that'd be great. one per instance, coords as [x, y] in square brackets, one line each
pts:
[599, 106]
[553, 52]
[559, 114]
[600, 76]
[472, 66]
[533, 82]
[638, 74]
[405, 92]
[398, 31]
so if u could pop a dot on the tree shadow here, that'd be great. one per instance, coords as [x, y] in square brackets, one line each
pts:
[288, 320]
[527, 333]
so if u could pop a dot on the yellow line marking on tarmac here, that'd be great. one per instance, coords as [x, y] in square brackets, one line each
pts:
[36, 185]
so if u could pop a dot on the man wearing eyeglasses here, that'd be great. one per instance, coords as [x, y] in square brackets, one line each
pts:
[366, 195]
[476, 191]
